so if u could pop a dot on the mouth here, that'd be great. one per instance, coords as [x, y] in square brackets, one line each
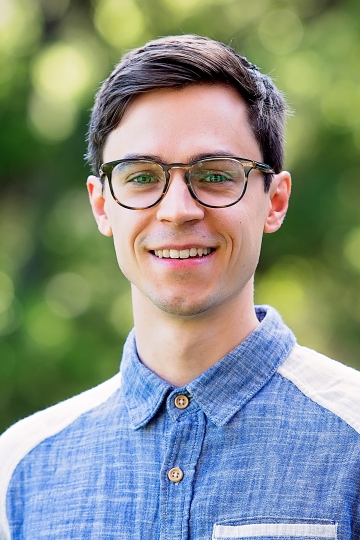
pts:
[182, 253]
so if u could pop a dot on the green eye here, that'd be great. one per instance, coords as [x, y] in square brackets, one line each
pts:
[215, 178]
[143, 179]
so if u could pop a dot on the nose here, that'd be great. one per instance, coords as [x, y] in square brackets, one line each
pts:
[178, 206]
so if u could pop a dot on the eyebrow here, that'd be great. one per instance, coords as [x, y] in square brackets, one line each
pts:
[195, 157]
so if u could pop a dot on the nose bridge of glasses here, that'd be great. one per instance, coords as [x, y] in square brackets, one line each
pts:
[185, 176]
[182, 166]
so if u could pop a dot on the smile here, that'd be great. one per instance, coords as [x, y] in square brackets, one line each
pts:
[182, 253]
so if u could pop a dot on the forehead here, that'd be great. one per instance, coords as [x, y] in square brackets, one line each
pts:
[176, 124]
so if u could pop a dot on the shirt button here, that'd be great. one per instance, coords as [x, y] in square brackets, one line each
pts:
[181, 401]
[175, 474]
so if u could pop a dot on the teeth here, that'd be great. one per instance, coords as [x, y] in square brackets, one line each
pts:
[182, 253]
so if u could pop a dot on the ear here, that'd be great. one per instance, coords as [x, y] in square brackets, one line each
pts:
[280, 189]
[97, 201]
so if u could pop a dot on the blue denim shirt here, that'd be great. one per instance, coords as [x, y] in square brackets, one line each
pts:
[264, 444]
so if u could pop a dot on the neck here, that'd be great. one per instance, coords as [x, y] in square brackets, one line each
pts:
[179, 349]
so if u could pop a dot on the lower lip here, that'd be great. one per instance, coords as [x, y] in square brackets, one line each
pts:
[191, 262]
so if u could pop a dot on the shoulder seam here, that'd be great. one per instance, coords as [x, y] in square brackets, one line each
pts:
[330, 384]
[25, 435]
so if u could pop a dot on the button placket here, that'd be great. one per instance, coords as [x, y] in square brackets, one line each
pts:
[183, 447]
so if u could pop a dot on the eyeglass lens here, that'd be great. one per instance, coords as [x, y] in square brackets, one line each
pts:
[140, 184]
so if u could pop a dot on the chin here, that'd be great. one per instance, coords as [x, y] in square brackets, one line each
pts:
[184, 307]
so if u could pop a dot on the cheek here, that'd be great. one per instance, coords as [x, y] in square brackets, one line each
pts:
[245, 234]
[126, 233]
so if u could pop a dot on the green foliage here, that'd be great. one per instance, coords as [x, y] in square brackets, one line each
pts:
[64, 306]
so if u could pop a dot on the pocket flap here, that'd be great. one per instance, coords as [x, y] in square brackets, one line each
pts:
[276, 530]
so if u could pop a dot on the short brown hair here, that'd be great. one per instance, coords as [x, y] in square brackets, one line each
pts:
[178, 61]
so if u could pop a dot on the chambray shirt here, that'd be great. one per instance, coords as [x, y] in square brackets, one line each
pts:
[263, 445]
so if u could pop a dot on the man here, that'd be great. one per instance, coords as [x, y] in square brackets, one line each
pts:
[220, 425]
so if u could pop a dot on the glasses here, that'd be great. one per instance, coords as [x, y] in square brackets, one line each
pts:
[215, 182]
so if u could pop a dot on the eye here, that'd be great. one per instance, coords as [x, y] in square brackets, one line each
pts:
[214, 177]
[143, 178]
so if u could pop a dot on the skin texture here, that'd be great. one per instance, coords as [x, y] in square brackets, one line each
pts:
[189, 313]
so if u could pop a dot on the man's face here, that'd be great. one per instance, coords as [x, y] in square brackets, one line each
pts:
[177, 126]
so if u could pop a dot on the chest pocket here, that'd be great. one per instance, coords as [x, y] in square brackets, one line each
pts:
[276, 531]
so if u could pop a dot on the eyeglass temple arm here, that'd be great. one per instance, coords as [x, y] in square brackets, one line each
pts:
[263, 168]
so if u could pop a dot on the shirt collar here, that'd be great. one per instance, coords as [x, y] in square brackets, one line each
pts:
[223, 389]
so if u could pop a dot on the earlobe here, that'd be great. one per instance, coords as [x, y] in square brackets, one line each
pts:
[97, 201]
[279, 201]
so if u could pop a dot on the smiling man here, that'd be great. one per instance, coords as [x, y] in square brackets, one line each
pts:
[219, 425]
[191, 266]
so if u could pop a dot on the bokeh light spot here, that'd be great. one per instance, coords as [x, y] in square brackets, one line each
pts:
[61, 72]
[282, 292]
[20, 26]
[281, 31]
[121, 25]
[303, 74]
[50, 119]
[68, 223]
[47, 329]
[68, 294]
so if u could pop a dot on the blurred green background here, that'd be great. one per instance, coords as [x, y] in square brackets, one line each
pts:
[64, 306]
